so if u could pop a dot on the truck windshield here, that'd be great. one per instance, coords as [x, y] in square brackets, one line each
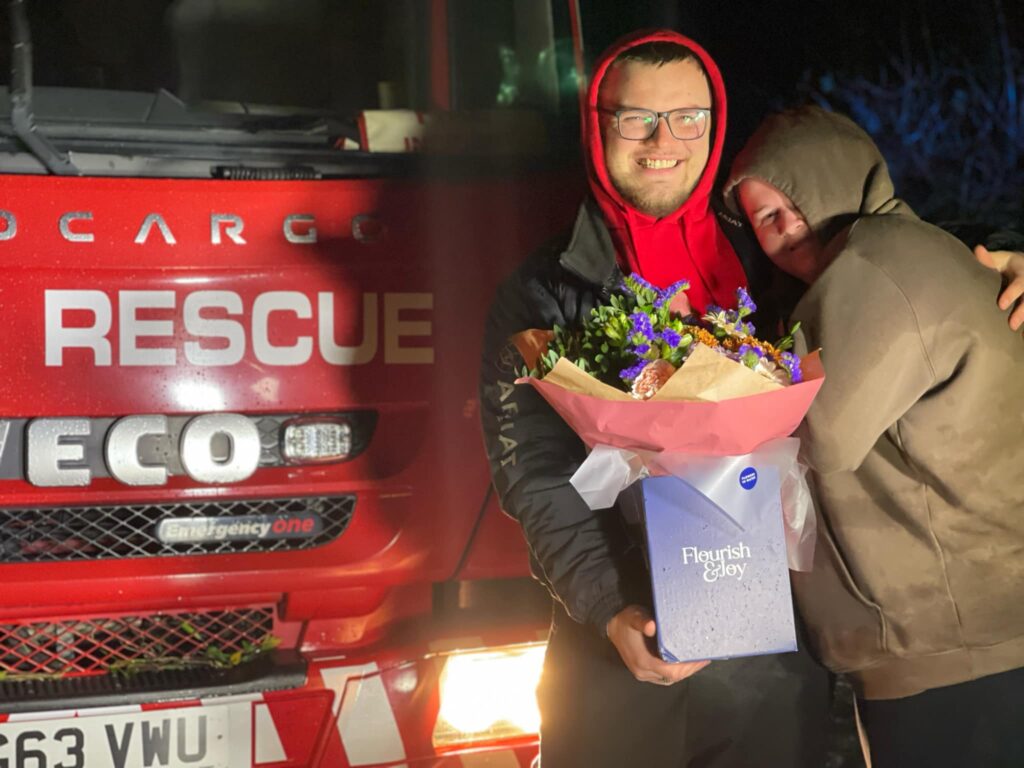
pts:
[123, 77]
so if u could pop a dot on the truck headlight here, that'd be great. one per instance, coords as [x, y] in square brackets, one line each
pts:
[489, 696]
[311, 441]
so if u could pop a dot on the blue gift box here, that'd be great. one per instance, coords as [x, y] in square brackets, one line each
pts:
[717, 556]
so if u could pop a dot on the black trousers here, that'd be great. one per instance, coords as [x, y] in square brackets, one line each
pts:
[757, 712]
[979, 724]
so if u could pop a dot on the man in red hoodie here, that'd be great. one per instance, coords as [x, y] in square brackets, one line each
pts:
[655, 127]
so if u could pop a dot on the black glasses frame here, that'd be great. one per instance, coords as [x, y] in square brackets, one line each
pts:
[705, 111]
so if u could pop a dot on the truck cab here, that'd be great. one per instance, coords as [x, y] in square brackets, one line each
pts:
[247, 249]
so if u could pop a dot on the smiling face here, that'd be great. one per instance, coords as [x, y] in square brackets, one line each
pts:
[781, 230]
[658, 174]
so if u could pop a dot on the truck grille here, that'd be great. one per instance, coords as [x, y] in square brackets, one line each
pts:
[130, 531]
[98, 645]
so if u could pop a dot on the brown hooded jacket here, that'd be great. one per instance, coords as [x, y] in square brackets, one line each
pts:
[917, 436]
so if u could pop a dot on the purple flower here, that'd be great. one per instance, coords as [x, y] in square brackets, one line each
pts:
[671, 337]
[642, 324]
[666, 295]
[676, 287]
[628, 374]
[744, 301]
[746, 349]
[642, 349]
[792, 364]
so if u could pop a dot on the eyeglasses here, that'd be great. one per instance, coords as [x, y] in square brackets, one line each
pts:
[686, 124]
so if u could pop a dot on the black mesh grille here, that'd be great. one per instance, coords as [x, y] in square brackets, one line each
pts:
[91, 646]
[94, 533]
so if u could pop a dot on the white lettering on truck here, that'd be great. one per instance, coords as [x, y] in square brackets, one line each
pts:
[55, 459]
[135, 337]
[297, 228]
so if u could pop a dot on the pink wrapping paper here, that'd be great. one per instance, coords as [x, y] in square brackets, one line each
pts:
[733, 426]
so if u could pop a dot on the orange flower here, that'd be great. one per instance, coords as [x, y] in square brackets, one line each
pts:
[732, 344]
[703, 336]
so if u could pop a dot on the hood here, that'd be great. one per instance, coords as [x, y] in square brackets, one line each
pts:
[824, 162]
[686, 244]
[607, 196]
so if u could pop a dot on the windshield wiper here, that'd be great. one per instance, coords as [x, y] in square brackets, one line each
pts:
[22, 120]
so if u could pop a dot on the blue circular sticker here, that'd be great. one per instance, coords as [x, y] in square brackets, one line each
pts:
[748, 478]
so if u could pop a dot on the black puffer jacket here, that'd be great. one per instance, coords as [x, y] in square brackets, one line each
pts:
[586, 559]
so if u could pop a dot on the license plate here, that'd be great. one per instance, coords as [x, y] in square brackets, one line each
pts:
[189, 737]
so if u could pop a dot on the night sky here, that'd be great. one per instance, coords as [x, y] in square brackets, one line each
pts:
[765, 47]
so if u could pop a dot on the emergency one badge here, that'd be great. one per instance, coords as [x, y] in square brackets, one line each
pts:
[204, 530]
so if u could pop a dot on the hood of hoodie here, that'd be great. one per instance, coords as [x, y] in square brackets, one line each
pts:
[687, 243]
[824, 162]
[608, 198]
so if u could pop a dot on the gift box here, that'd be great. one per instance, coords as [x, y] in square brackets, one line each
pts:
[718, 563]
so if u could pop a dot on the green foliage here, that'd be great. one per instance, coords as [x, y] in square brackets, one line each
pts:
[611, 339]
[212, 656]
[786, 342]
[6, 675]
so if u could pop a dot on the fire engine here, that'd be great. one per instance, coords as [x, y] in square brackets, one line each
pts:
[247, 248]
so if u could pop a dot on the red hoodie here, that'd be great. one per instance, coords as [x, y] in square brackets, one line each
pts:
[688, 243]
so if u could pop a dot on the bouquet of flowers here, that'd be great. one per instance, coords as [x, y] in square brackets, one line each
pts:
[699, 410]
[641, 338]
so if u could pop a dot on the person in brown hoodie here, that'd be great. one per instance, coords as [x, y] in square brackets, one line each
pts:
[916, 440]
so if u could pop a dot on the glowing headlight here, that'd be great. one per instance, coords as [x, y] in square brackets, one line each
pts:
[489, 695]
[315, 441]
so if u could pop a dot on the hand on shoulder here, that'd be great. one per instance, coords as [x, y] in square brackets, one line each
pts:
[1011, 265]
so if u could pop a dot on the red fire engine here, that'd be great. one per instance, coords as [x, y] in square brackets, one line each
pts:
[245, 516]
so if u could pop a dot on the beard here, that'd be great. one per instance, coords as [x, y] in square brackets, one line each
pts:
[657, 201]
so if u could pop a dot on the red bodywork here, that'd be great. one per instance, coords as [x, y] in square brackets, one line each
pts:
[422, 479]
